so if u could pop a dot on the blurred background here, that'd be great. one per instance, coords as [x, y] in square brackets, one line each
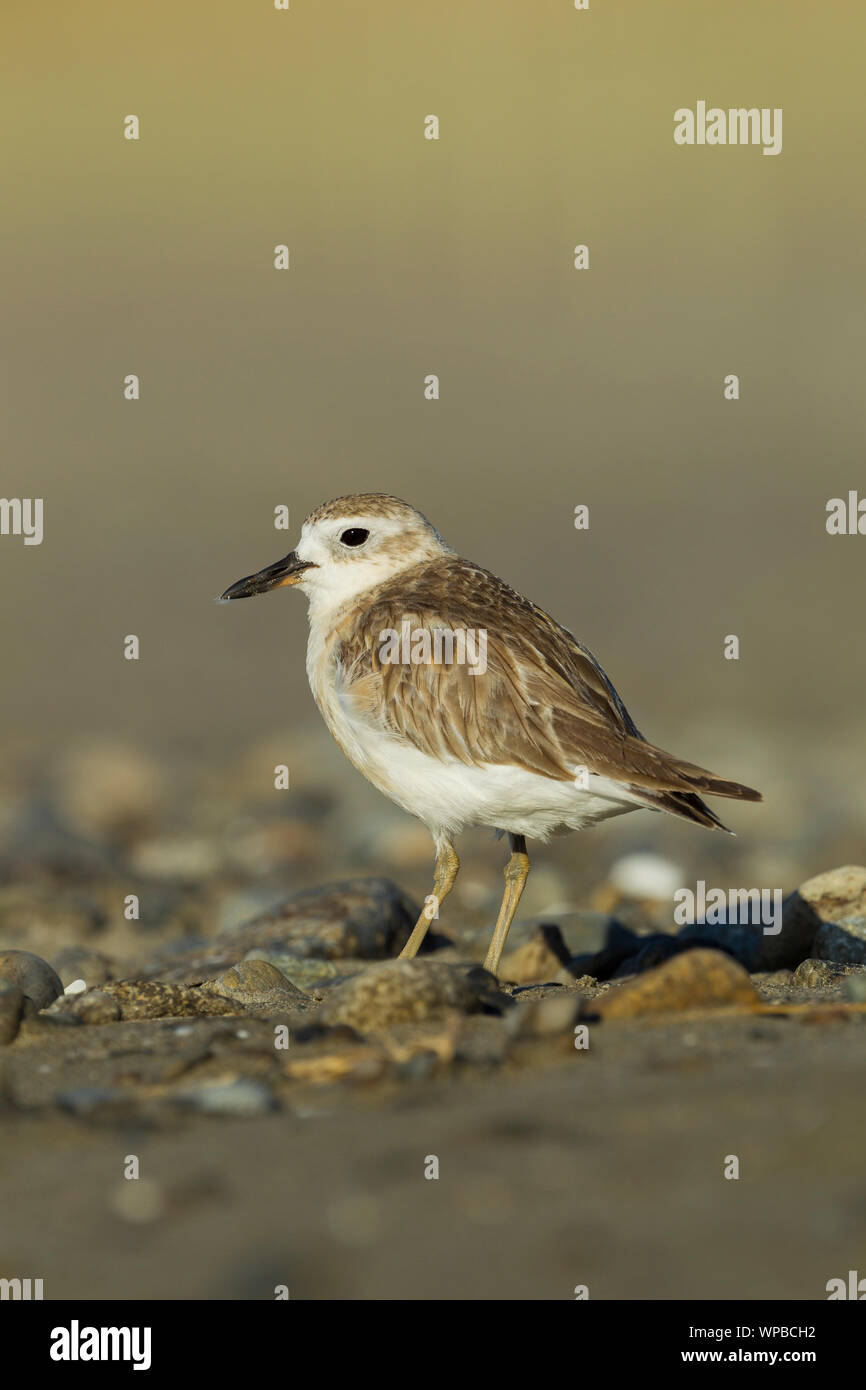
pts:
[558, 387]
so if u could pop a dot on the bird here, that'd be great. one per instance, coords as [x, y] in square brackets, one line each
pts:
[515, 727]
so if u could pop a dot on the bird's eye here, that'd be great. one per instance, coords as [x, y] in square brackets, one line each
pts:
[356, 535]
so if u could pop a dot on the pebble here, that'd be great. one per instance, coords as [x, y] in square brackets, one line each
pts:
[545, 1018]
[834, 896]
[305, 972]
[829, 897]
[152, 999]
[96, 1007]
[819, 974]
[538, 960]
[33, 976]
[259, 986]
[695, 979]
[238, 1097]
[843, 941]
[11, 1010]
[398, 991]
[366, 917]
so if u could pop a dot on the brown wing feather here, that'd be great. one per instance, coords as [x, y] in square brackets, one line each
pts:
[544, 702]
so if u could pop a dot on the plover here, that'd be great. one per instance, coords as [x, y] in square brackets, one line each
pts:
[524, 734]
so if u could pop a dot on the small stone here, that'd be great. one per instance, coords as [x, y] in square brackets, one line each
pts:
[368, 917]
[538, 960]
[696, 979]
[11, 1010]
[239, 1097]
[834, 896]
[33, 976]
[398, 991]
[843, 941]
[646, 878]
[818, 974]
[545, 1018]
[259, 986]
[153, 999]
[76, 987]
[305, 972]
[96, 1007]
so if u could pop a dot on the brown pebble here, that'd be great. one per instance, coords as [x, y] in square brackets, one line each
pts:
[699, 979]
[398, 991]
[538, 960]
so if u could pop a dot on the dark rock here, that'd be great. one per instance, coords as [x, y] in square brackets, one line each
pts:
[843, 941]
[11, 1010]
[751, 945]
[33, 976]
[619, 943]
[369, 918]
[834, 896]
[654, 950]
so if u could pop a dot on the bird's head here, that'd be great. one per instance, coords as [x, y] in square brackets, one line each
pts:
[347, 547]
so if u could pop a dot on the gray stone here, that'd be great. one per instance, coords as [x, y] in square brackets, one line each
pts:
[834, 896]
[96, 1007]
[259, 986]
[305, 972]
[33, 976]
[399, 991]
[819, 974]
[843, 941]
[368, 918]
[11, 1010]
[239, 1097]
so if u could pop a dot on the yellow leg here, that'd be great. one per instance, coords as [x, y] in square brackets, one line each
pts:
[447, 865]
[516, 874]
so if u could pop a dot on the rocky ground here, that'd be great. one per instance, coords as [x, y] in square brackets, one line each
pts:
[211, 1089]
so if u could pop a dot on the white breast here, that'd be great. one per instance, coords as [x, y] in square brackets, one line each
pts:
[448, 795]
